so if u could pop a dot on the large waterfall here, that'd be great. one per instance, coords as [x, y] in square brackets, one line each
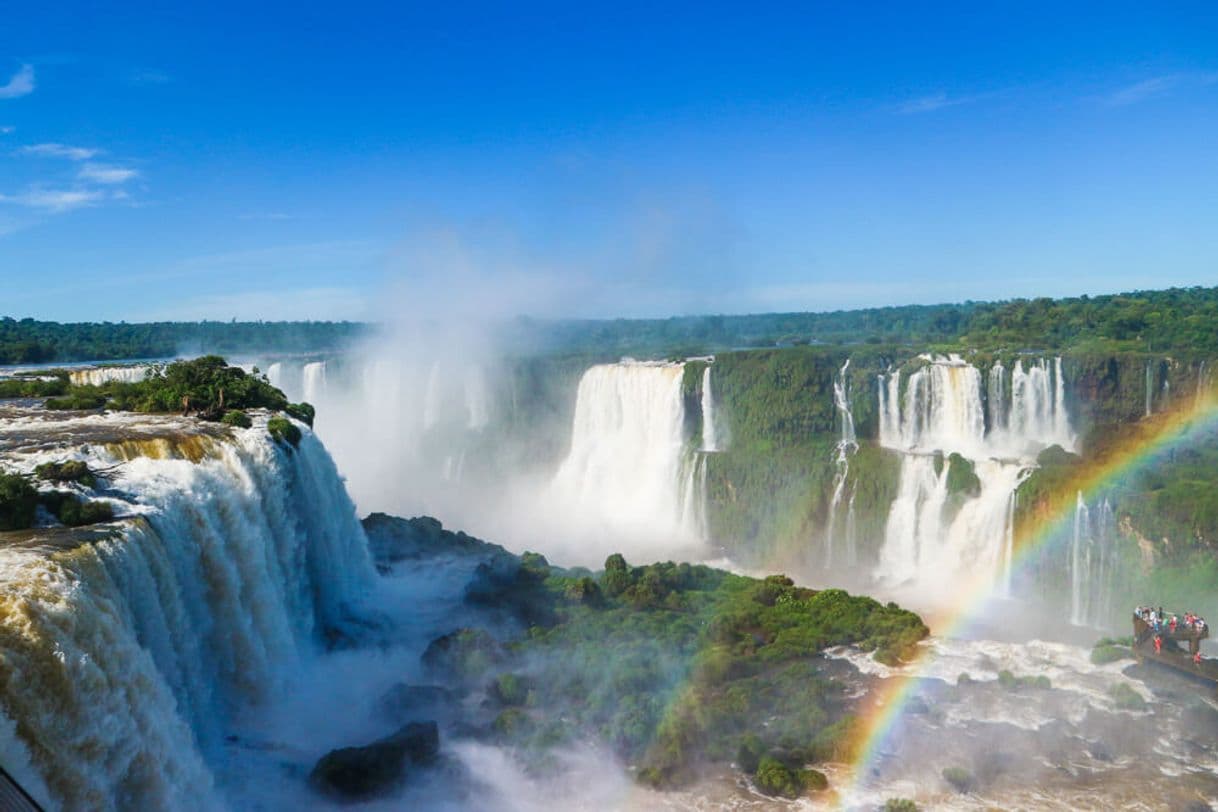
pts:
[123, 652]
[938, 411]
[630, 476]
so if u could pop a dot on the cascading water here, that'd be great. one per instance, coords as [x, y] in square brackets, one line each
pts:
[314, 381]
[710, 433]
[1205, 383]
[1091, 564]
[933, 536]
[1149, 390]
[847, 444]
[96, 376]
[123, 652]
[629, 476]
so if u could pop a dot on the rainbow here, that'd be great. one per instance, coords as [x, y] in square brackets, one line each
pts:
[1152, 438]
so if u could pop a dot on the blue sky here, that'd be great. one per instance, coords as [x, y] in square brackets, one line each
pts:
[371, 160]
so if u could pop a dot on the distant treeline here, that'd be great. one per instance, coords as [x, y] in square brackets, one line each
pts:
[32, 342]
[1178, 320]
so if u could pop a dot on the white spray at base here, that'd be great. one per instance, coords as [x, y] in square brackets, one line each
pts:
[933, 537]
[120, 658]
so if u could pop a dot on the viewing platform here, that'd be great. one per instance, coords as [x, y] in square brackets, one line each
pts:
[1178, 650]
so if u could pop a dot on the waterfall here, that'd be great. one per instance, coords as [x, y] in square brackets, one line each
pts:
[96, 376]
[314, 381]
[122, 657]
[1091, 564]
[1149, 394]
[933, 537]
[1204, 384]
[1038, 415]
[629, 474]
[847, 444]
[710, 436]
[996, 397]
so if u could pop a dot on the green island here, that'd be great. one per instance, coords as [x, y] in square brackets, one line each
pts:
[676, 668]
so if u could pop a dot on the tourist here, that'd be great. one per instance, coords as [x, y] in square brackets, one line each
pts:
[1158, 644]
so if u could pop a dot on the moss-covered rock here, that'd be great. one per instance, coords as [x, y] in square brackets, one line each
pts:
[69, 471]
[283, 430]
[304, 412]
[18, 502]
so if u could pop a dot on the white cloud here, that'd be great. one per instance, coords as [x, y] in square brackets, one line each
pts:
[932, 102]
[52, 150]
[7, 130]
[149, 77]
[106, 174]
[21, 83]
[1140, 91]
[1157, 86]
[55, 201]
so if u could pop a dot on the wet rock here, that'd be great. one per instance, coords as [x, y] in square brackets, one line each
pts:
[360, 773]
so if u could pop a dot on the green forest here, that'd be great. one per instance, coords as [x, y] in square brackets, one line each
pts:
[1180, 320]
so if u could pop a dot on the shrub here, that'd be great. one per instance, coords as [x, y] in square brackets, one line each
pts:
[283, 430]
[18, 502]
[70, 471]
[237, 418]
[76, 402]
[774, 778]
[899, 805]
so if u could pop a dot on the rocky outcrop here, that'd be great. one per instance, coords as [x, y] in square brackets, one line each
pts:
[361, 773]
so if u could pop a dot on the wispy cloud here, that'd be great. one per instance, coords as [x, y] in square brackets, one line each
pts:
[1157, 86]
[932, 102]
[267, 215]
[7, 130]
[21, 83]
[106, 174]
[149, 77]
[60, 151]
[55, 201]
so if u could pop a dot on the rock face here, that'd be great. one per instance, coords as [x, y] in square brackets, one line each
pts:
[360, 773]
[393, 539]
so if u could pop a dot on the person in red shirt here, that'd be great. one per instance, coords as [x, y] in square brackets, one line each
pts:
[1158, 644]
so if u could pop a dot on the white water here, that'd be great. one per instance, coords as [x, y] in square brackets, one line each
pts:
[1149, 390]
[710, 427]
[96, 376]
[932, 540]
[1091, 564]
[847, 444]
[121, 659]
[628, 480]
